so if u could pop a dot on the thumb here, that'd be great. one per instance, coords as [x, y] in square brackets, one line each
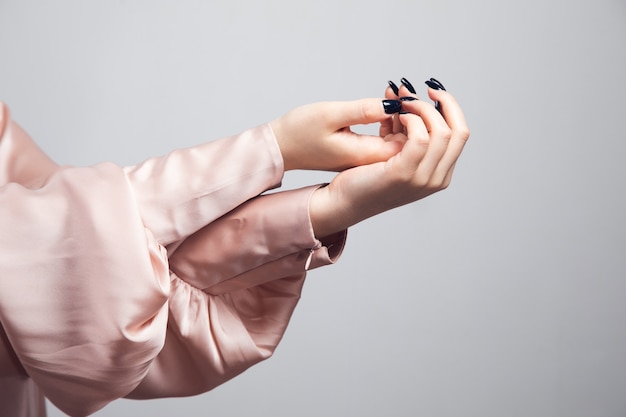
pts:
[363, 111]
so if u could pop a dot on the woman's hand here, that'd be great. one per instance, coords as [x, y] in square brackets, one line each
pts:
[434, 139]
[318, 136]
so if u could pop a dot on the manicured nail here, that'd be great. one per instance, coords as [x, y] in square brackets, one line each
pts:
[408, 85]
[404, 112]
[438, 83]
[393, 86]
[435, 85]
[432, 85]
[408, 98]
[392, 106]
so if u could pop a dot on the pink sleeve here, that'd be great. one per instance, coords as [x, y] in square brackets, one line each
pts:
[236, 280]
[267, 236]
[21, 160]
[235, 284]
[83, 284]
[189, 188]
[19, 395]
[89, 308]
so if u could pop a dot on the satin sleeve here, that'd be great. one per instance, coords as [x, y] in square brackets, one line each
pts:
[83, 286]
[181, 192]
[83, 283]
[235, 284]
[122, 281]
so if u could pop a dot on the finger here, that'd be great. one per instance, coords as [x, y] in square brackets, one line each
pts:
[347, 113]
[392, 89]
[405, 92]
[407, 88]
[407, 98]
[448, 176]
[397, 125]
[460, 134]
[415, 147]
[389, 94]
[439, 136]
[386, 126]
[450, 109]
[364, 149]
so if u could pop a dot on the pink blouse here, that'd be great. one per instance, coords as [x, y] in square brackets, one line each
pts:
[162, 279]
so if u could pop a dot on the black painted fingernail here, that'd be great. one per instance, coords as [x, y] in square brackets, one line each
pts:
[408, 98]
[393, 86]
[404, 112]
[432, 85]
[434, 80]
[408, 85]
[436, 85]
[392, 106]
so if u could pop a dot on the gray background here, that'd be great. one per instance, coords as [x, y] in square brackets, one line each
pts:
[502, 296]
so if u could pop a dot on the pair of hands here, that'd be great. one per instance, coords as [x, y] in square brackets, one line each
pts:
[413, 156]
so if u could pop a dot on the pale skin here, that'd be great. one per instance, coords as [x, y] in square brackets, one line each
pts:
[413, 157]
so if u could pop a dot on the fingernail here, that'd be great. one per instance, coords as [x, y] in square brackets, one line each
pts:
[404, 112]
[393, 86]
[438, 83]
[408, 98]
[435, 85]
[408, 85]
[392, 106]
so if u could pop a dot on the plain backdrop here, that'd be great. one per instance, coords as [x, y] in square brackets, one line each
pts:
[504, 295]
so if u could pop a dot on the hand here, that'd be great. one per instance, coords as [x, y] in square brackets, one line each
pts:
[433, 142]
[318, 136]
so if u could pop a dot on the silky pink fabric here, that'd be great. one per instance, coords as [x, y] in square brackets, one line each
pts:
[163, 279]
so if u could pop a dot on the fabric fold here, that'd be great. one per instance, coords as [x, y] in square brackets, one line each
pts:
[83, 286]
[271, 229]
[162, 279]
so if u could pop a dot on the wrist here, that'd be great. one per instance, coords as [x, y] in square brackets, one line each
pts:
[283, 144]
[326, 216]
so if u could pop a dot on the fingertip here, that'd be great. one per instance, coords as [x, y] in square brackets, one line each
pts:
[436, 94]
[392, 106]
[390, 93]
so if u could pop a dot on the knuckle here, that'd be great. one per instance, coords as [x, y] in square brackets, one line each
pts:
[400, 173]
[420, 183]
[421, 139]
[463, 133]
[404, 176]
[444, 132]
